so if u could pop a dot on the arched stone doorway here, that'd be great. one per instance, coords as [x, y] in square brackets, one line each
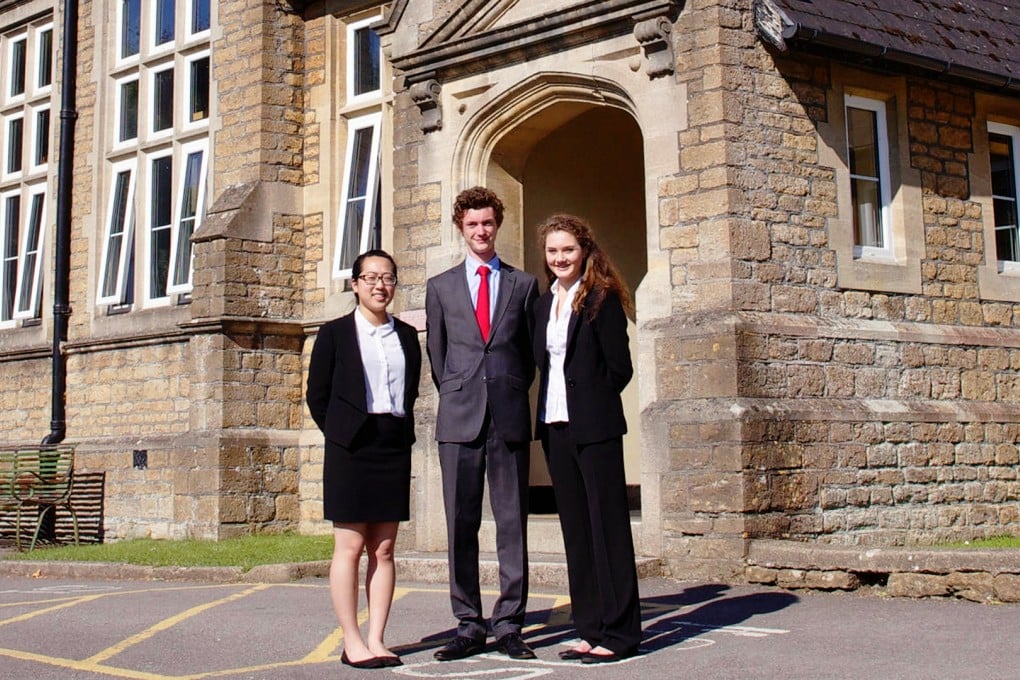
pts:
[566, 143]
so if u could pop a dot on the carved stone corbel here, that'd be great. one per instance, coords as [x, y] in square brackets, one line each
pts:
[655, 36]
[425, 95]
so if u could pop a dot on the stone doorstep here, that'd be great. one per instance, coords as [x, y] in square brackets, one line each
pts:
[978, 575]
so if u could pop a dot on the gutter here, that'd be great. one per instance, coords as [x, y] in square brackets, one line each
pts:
[62, 238]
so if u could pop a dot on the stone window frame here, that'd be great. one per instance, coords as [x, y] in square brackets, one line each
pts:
[183, 133]
[29, 179]
[899, 271]
[995, 282]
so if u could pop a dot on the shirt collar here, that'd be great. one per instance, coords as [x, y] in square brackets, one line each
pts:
[472, 263]
[365, 326]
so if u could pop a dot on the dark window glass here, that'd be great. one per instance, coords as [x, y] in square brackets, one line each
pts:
[18, 67]
[189, 211]
[164, 21]
[9, 275]
[1002, 156]
[26, 303]
[128, 128]
[159, 238]
[42, 137]
[45, 58]
[199, 15]
[199, 100]
[163, 100]
[130, 27]
[357, 189]
[366, 61]
[116, 242]
[865, 183]
[15, 144]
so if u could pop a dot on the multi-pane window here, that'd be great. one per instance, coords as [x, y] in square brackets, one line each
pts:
[868, 160]
[159, 100]
[25, 133]
[1003, 144]
[358, 223]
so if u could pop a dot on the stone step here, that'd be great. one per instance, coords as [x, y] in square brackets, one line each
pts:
[544, 569]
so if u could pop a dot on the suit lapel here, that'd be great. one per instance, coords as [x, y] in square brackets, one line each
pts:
[350, 351]
[507, 282]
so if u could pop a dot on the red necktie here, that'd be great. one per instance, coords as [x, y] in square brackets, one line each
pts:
[482, 305]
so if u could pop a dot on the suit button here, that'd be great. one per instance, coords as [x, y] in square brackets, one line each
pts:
[488, 350]
[485, 379]
[571, 383]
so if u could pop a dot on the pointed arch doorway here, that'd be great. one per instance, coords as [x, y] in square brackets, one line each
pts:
[563, 144]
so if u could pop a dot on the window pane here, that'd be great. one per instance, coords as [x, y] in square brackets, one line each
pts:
[163, 100]
[159, 236]
[199, 95]
[26, 301]
[867, 213]
[189, 211]
[128, 128]
[361, 158]
[366, 61]
[862, 142]
[18, 67]
[9, 264]
[42, 137]
[352, 232]
[118, 233]
[15, 144]
[45, 58]
[1000, 151]
[130, 27]
[199, 15]
[164, 21]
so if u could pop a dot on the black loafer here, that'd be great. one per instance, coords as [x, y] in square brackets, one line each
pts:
[572, 655]
[514, 646]
[600, 658]
[371, 662]
[459, 647]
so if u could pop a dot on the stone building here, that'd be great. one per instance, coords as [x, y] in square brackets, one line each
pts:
[815, 204]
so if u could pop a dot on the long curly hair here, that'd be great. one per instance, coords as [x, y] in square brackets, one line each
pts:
[597, 271]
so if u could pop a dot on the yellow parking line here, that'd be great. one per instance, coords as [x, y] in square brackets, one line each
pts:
[81, 665]
[325, 649]
[166, 624]
[47, 610]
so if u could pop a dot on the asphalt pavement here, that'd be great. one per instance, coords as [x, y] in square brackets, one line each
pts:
[91, 628]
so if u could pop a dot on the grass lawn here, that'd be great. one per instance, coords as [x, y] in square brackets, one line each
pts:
[245, 552]
[995, 542]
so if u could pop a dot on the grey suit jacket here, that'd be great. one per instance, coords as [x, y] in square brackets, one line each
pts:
[470, 374]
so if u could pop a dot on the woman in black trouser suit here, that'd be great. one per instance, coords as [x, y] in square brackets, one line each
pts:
[582, 350]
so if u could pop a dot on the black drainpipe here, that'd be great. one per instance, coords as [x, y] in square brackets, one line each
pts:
[62, 241]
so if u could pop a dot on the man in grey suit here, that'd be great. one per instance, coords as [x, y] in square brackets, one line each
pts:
[479, 342]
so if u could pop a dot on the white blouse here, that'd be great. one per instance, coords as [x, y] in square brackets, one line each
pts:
[555, 408]
[382, 359]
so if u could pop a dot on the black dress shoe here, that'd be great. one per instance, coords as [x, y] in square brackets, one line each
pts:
[572, 655]
[513, 646]
[459, 647]
[390, 661]
[371, 662]
[601, 658]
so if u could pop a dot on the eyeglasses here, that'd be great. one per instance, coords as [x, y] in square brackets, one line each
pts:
[372, 279]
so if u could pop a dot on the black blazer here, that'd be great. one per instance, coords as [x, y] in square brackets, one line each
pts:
[336, 394]
[596, 369]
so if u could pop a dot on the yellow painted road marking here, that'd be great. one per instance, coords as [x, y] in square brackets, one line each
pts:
[166, 624]
[47, 610]
[325, 651]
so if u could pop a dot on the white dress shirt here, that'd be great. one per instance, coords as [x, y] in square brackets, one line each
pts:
[474, 280]
[556, 344]
[382, 359]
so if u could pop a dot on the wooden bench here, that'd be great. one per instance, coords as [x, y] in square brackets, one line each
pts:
[39, 478]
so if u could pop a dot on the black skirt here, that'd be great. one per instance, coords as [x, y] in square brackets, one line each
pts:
[370, 481]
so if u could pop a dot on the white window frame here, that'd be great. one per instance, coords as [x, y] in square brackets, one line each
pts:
[189, 19]
[1013, 132]
[5, 260]
[36, 71]
[371, 121]
[6, 174]
[154, 47]
[118, 103]
[127, 242]
[12, 40]
[33, 152]
[185, 96]
[31, 279]
[149, 299]
[118, 50]
[353, 98]
[877, 107]
[149, 103]
[186, 150]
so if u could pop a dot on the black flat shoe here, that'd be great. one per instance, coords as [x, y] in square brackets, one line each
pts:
[459, 647]
[514, 646]
[600, 658]
[390, 661]
[572, 655]
[371, 662]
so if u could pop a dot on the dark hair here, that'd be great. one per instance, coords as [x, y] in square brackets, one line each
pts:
[356, 267]
[477, 198]
[597, 271]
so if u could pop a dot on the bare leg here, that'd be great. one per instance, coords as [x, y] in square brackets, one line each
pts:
[380, 580]
[348, 544]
